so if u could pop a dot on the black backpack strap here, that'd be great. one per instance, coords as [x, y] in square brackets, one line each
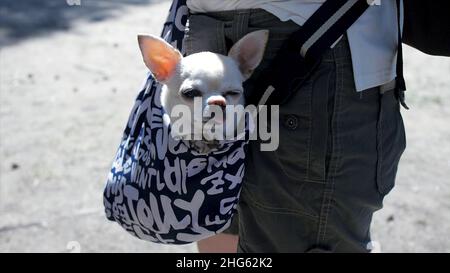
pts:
[400, 80]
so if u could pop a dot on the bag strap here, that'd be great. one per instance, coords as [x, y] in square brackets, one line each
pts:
[327, 25]
[306, 46]
[334, 18]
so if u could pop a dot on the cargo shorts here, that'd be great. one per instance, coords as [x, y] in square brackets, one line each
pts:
[338, 153]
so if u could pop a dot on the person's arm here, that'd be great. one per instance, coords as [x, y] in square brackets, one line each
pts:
[221, 243]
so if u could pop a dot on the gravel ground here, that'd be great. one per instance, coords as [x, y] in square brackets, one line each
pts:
[67, 84]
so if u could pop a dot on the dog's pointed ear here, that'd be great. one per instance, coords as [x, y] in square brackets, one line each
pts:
[159, 56]
[249, 51]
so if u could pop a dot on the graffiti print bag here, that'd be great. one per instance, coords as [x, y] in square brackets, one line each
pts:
[159, 189]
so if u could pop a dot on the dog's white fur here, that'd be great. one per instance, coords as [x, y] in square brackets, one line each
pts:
[216, 78]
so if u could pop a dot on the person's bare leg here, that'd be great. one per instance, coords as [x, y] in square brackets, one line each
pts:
[221, 243]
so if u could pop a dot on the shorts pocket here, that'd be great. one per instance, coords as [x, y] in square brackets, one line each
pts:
[282, 197]
[304, 128]
[391, 141]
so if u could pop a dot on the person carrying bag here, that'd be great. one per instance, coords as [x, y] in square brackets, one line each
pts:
[338, 155]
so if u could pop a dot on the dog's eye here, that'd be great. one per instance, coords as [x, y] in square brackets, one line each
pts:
[191, 93]
[232, 93]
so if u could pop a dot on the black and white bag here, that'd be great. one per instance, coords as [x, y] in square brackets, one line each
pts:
[158, 188]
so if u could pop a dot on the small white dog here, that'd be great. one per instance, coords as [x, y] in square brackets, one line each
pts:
[214, 79]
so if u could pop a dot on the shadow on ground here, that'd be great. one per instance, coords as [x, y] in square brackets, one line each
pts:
[22, 19]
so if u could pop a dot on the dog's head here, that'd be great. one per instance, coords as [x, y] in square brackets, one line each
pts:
[213, 79]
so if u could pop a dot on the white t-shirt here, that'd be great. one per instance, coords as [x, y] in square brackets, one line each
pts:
[372, 39]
